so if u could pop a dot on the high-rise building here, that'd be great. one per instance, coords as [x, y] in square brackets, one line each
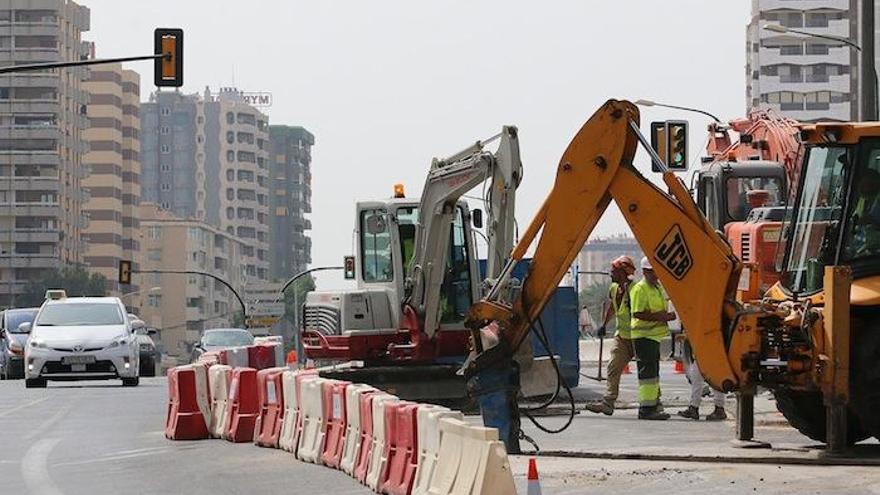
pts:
[290, 198]
[113, 184]
[597, 254]
[805, 78]
[42, 118]
[183, 306]
[206, 158]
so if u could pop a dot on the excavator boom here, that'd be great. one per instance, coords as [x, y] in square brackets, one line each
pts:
[696, 267]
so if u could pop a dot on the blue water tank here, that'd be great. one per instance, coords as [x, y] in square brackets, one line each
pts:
[560, 320]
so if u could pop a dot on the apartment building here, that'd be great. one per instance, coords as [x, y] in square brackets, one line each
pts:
[290, 199]
[206, 158]
[597, 254]
[42, 120]
[113, 231]
[183, 306]
[802, 77]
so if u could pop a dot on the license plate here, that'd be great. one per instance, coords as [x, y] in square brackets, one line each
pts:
[77, 368]
[78, 360]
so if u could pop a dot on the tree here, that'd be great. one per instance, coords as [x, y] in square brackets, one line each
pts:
[76, 281]
[295, 296]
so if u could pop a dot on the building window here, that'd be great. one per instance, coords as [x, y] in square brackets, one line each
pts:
[230, 175]
[165, 111]
[200, 119]
[165, 167]
[154, 254]
[230, 118]
[230, 194]
[230, 156]
[816, 19]
[791, 49]
[154, 300]
[154, 232]
[230, 213]
[165, 148]
[164, 130]
[165, 186]
[817, 49]
[230, 137]
[165, 205]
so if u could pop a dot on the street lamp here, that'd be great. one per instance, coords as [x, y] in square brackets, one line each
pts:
[649, 103]
[868, 110]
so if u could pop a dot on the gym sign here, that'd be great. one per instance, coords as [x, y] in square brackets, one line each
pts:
[252, 98]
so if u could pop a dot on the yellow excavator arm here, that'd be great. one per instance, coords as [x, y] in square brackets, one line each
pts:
[695, 265]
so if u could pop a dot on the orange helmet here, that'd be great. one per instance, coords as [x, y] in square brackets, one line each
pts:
[624, 263]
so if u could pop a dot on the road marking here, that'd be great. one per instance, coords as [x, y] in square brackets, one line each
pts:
[35, 468]
[17, 408]
[49, 422]
[116, 457]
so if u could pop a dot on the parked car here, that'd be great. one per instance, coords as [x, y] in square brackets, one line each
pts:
[13, 341]
[149, 356]
[217, 339]
[81, 338]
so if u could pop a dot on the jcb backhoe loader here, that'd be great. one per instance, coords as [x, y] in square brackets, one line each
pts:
[814, 339]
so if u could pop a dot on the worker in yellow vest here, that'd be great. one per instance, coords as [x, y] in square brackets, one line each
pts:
[622, 271]
[649, 326]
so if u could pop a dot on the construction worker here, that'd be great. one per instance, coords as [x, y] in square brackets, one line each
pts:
[865, 240]
[697, 384]
[622, 271]
[648, 327]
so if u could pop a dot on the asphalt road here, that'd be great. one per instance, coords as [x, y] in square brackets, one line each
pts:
[101, 438]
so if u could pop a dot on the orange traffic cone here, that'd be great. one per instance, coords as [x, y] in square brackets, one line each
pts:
[534, 487]
[678, 368]
[626, 370]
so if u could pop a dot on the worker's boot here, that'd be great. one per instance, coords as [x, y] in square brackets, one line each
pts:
[690, 413]
[652, 414]
[604, 407]
[717, 415]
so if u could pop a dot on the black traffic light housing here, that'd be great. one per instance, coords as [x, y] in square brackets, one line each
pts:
[124, 272]
[348, 267]
[669, 139]
[168, 70]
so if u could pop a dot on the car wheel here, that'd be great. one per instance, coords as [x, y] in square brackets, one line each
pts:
[35, 383]
[148, 367]
[131, 382]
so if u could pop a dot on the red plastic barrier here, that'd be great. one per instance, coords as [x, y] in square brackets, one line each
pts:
[184, 420]
[222, 357]
[262, 356]
[267, 430]
[333, 396]
[363, 463]
[401, 449]
[242, 407]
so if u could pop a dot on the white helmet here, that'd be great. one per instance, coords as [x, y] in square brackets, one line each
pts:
[646, 263]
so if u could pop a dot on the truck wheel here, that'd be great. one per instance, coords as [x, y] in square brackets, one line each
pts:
[131, 382]
[865, 372]
[805, 411]
[35, 383]
[148, 367]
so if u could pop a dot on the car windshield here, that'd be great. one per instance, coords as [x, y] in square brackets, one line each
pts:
[14, 318]
[813, 224]
[746, 193]
[227, 338]
[80, 314]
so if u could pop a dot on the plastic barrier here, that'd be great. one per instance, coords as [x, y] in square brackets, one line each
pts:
[352, 443]
[378, 457]
[185, 419]
[401, 448]
[291, 382]
[203, 390]
[471, 461]
[237, 357]
[428, 427]
[270, 392]
[242, 406]
[262, 356]
[335, 413]
[311, 435]
[210, 358]
[366, 419]
[218, 383]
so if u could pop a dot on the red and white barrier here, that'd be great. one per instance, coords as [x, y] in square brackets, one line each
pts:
[263, 356]
[287, 440]
[335, 413]
[237, 357]
[366, 450]
[352, 443]
[401, 448]
[219, 376]
[471, 460]
[270, 393]
[187, 394]
[378, 457]
[242, 406]
[311, 438]
[428, 425]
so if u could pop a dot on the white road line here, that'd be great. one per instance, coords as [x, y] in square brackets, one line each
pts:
[18, 408]
[35, 469]
[111, 458]
[49, 422]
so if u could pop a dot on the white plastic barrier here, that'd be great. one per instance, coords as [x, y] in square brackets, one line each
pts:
[287, 441]
[352, 445]
[378, 461]
[428, 427]
[203, 394]
[311, 439]
[237, 357]
[218, 381]
[471, 461]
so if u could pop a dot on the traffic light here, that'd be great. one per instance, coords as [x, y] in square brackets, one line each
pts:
[168, 70]
[676, 144]
[348, 267]
[658, 142]
[124, 272]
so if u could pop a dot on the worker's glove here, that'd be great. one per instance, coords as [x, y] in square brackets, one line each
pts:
[601, 332]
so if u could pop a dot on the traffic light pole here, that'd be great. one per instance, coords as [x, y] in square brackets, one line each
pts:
[206, 274]
[79, 63]
[296, 333]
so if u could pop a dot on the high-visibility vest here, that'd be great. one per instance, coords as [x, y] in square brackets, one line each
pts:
[621, 312]
[643, 297]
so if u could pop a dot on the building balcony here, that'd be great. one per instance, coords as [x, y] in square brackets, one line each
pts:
[22, 183]
[30, 132]
[805, 84]
[35, 55]
[30, 106]
[772, 56]
[24, 157]
[30, 28]
[12, 286]
[787, 4]
[33, 209]
[31, 235]
[18, 260]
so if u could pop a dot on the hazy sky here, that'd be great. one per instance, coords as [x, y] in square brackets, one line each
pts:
[387, 85]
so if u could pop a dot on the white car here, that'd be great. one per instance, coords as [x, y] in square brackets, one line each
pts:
[81, 338]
